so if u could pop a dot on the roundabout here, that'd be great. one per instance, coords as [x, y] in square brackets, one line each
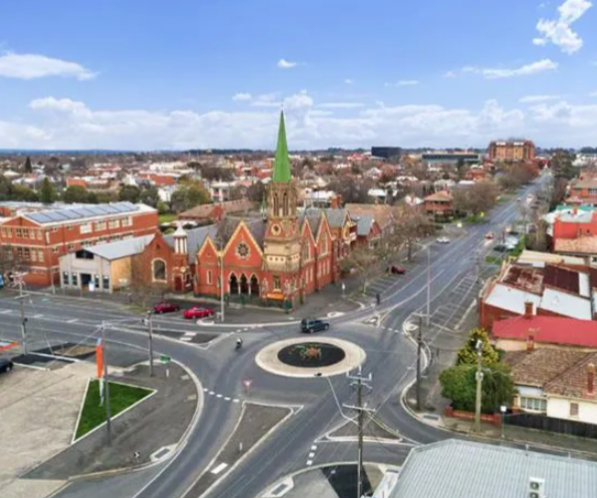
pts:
[303, 358]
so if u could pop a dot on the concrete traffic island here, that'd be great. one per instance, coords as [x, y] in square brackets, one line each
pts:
[324, 356]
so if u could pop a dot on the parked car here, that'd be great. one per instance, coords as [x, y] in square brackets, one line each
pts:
[165, 307]
[396, 270]
[197, 312]
[5, 365]
[443, 240]
[310, 325]
[489, 236]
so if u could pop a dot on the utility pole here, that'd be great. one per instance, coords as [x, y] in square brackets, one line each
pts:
[428, 285]
[150, 331]
[419, 348]
[361, 410]
[21, 299]
[221, 261]
[479, 379]
[106, 387]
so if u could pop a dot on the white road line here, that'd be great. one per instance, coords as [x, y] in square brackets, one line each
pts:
[190, 334]
[309, 462]
[186, 339]
[219, 468]
[219, 396]
[314, 447]
[39, 315]
[227, 398]
[6, 312]
[205, 389]
[235, 400]
[211, 393]
[311, 455]
[72, 320]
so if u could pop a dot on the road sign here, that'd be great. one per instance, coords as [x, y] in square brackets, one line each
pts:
[165, 359]
[247, 383]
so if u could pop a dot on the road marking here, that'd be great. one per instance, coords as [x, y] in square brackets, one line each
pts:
[314, 447]
[190, 334]
[211, 393]
[227, 398]
[311, 455]
[186, 339]
[309, 462]
[205, 389]
[219, 468]
[219, 396]
[72, 320]
[6, 312]
[39, 315]
[235, 400]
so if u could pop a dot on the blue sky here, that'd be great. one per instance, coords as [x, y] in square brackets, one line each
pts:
[157, 75]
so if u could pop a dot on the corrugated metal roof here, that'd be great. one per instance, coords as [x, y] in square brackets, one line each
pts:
[511, 299]
[566, 304]
[463, 469]
[364, 225]
[121, 248]
[195, 239]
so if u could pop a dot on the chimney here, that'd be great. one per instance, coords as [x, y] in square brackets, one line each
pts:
[591, 379]
[575, 210]
[528, 310]
[530, 343]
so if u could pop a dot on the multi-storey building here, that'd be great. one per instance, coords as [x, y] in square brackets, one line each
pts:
[511, 150]
[34, 241]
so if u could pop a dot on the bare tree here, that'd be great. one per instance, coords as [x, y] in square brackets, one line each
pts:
[475, 199]
[409, 225]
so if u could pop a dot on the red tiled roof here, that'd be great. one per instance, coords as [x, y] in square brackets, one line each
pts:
[551, 329]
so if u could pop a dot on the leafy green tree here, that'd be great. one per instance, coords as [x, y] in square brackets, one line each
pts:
[76, 194]
[150, 196]
[5, 188]
[130, 193]
[468, 354]
[22, 193]
[189, 196]
[459, 385]
[103, 197]
[27, 167]
[163, 207]
[47, 194]
[561, 164]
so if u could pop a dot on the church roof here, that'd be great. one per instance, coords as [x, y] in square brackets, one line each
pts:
[195, 239]
[228, 225]
[335, 216]
[282, 170]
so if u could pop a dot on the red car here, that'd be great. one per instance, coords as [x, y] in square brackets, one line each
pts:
[165, 307]
[489, 235]
[396, 270]
[196, 312]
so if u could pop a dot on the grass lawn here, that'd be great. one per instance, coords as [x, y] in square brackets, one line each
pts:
[166, 218]
[475, 220]
[493, 260]
[121, 397]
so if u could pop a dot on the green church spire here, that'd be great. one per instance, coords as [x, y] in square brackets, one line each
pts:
[282, 170]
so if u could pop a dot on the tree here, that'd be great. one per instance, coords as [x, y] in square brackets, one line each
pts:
[237, 193]
[468, 354]
[47, 194]
[459, 385]
[256, 192]
[130, 193]
[75, 194]
[163, 207]
[460, 168]
[27, 167]
[189, 196]
[475, 199]
[150, 196]
[351, 190]
[22, 193]
[363, 260]
[408, 226]
[562, 165]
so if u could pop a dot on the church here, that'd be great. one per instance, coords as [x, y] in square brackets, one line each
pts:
[277, 259]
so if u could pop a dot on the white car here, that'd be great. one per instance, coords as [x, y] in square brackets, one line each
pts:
[443, 240]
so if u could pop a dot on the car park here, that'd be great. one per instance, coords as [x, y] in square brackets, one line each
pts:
[165, 307]
[310, 325]
[396, 270]
[198, 312]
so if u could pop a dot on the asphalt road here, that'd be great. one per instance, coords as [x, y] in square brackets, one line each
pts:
[391, 358]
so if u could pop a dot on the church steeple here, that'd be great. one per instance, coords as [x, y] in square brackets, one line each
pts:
[282, 171]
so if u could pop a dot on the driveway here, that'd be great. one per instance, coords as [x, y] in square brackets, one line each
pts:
[38, 413]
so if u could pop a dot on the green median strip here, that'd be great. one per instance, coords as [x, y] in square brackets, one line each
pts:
[93, 413]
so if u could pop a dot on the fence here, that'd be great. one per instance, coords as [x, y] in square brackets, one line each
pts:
[544, 423]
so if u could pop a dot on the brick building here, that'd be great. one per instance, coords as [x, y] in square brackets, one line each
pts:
[439, 205]
[279, 259]
[511, 150]
[34, 241]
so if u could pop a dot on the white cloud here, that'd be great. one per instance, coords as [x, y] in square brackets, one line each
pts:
[341, 105]
[528, 69]
[242, 97]
[530, 99]
[64, 123]
[32, 66]
[450, 74]
[558, 31]
[267, 100]
[348, 81]
[284, 64]
[593, 94]
[402, 83]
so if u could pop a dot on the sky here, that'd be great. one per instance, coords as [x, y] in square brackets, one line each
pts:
[150, 74]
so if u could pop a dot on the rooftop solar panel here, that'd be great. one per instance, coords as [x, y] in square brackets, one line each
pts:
[80, 212]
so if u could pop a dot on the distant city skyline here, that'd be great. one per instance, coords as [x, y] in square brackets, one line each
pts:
[143, 76]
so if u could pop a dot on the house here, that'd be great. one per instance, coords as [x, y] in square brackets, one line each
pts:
[382, 213]
[456, 468]
[367, 230]
[574, 232]
[36, 240]
[342, 226]
[552, 291]
[439, 205]
[583, 190]
[556, 382]
[215, 212]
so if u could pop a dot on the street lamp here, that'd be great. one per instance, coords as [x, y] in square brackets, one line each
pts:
[503, 409]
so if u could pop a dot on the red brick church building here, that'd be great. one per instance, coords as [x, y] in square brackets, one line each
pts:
[279, 258]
